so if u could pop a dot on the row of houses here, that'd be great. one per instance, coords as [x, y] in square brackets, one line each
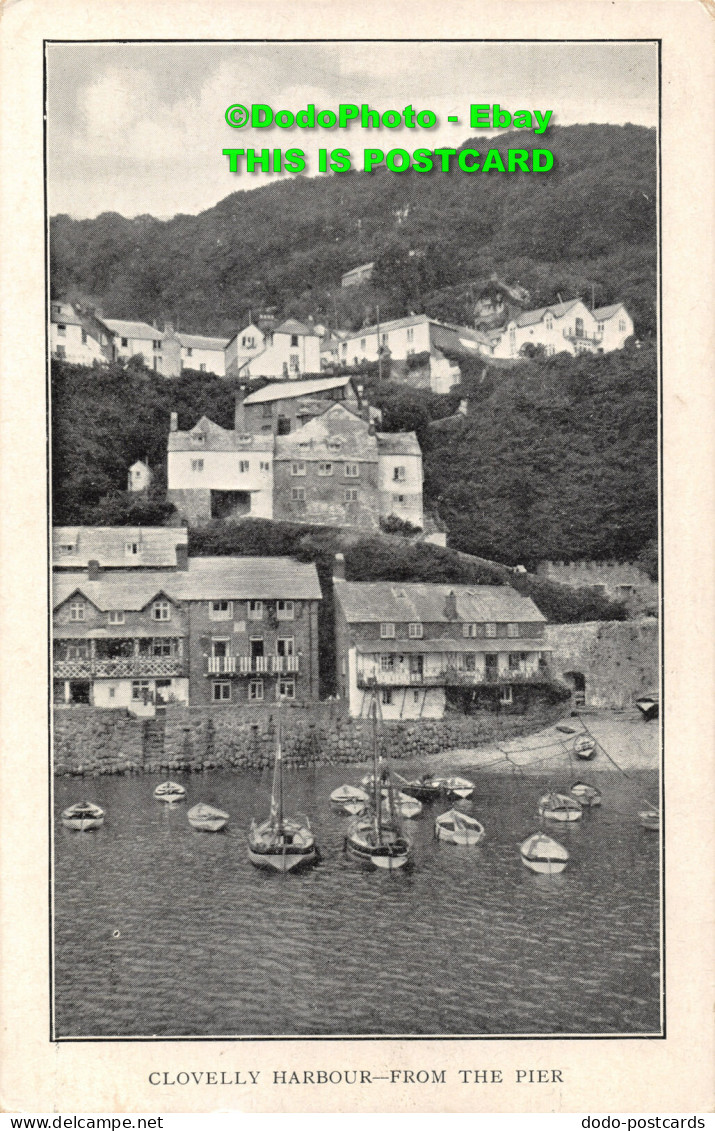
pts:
[421, 350]
[308, 451]
[139, 624]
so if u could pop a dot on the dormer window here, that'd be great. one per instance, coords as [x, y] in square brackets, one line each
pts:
[115, 616]
[66, 548]
[161, 610]
[245, 438]
[387, 630]
[490, 630]
[335, 444]
[415, 631]
[77, 609]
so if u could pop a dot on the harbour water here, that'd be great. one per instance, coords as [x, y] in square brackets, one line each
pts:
[160, 930]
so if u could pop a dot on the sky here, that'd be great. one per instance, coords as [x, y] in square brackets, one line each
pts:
[139, 128]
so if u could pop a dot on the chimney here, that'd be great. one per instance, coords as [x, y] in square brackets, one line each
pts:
[371, 428]
[168, 327]
[239, 416]
[463, 406]
[450, 606]
[182, 557]
[174, 422]
[93, 570]
[98, 312]
[339, 567]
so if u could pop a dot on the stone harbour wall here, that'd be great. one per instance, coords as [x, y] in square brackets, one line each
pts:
[619, 660]
[88, 741]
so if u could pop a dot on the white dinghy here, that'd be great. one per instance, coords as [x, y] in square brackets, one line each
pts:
[586, 795]
[83, 816]
[170, 792]
[456, 787]
[560, 807]
[458, 828]
[206, 818]
[542, 854]
[349, 798]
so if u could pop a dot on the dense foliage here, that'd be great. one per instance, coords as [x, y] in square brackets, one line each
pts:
[590, 222]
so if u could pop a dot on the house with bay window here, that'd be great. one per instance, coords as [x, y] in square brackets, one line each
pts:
[429, 648]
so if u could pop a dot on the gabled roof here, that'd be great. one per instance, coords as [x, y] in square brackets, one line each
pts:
[197, 342]
[289, 390]
[340, 427]
[106, 544]
[132, 329]
[217, 439]
[398, 444]
[68, 316]
[530, 317]
[293, 326]
[458, 339]
[401, 602]
[603, 313]
[206, 579]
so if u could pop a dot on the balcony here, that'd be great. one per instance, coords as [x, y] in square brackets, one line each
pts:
[252, 665]
[447, 677]
[583, 339]
[127, 667]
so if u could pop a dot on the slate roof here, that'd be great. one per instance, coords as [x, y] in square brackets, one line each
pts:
[206, 579]
[293, 326]
[370, 601]
[198, 342]
[398, 444]
[558, 309]
[603, 313]
[458, 339]
[132, 329]
[453, 644]
[289, 390]
[68, 317]
[312, 441]
[105, 544]
[217, 439]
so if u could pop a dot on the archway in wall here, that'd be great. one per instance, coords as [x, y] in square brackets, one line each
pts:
[577, 682]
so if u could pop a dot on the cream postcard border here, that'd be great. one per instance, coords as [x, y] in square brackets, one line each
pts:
[646, 1075]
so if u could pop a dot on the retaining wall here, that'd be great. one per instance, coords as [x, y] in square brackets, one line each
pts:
[618, 659]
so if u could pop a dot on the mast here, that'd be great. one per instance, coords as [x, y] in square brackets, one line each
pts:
[277, 792]
[375, 770]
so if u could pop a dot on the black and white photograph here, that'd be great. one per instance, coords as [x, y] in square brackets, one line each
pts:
[356, 592]
[353, 355]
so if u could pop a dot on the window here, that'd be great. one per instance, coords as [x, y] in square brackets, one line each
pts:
[470, 662]
[387, 630]
[505, 696]
[579, 327]
[411, 334]
[61, 351]
[294, 339]
[285, 646]
[514, 661]
[622, 325]
[297, 494]
[294, 361]
[243, 466]
[490, 630]
[325, 469]
[398, 499]
[255, 690]
[335, 444]
[415, 631]
[268, 411]
[189, 351]
[362, 343]
[115, 616]
[125, 342]
[221, 692]
[297, 467]
[384, 339]
[77, 610]
[601, 327]
[255, 610]
[131, 549]
[625, 590]
[75, 650]
[285, 610]
[197, 465]
[163, 646]
[248, 342]
[220, 610]
[66, 548]
[351, 495]
[84, 337]
[399, 474]
[512, 339]
[549, 322]
[61, 329]
[141, 690]
[386, 696]
[387, 662]
[286, 689]
[265, 465]
[161, 610]
[512, 630]
[352, 470]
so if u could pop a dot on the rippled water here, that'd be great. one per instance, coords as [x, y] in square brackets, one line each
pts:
[163, 930]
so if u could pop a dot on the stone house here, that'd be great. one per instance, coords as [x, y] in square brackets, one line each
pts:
[425, 645]
[119, 547]
[213, 631]
[283, 406]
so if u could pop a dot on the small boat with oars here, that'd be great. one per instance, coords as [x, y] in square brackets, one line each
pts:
[375, 836]
[560, 807]
[281, 843]
[83, 816]
[454, 787]
[349, 798]
[649, 705]
[584, 747]
[650, 816]
[206, 818]
[458, 828]
[544, 855]
[587, 795]
[170, 792]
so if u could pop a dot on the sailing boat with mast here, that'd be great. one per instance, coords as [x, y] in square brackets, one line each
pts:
[375, 836]
[281, 843]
